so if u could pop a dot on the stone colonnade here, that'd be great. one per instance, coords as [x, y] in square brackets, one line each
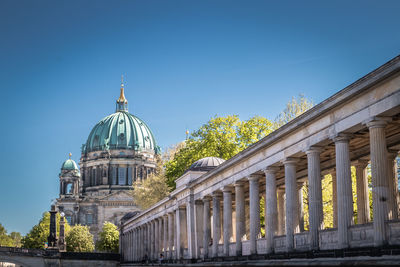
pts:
[206, 229]
[217, 213]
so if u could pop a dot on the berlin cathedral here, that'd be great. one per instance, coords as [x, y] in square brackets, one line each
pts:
[120, 150]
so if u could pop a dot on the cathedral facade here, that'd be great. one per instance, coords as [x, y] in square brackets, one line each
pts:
[120, 150]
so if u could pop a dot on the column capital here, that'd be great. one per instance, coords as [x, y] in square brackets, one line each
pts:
[239, 183]
[227, 188]
[314, 149]
[377, 122]
[271, 169]
[341, 137]
[290, 161]
[360, 163]
[253, 177]
[216, 194]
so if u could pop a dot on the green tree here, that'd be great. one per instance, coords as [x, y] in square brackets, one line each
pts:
[151, 190]
[221, 137]
[79, 239]
[294, 108]
[5, 240]
[16, 239]
[109, 238]
[37, 236]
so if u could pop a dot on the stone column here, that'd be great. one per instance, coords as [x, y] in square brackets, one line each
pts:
[149, 250]
[291, 201]
[334, 198]
[178, 235]
[160, 236]
[281, 211]
[392, 185]
[199, 229]
[165, 237]
[207, 225]
[314, 195]
[271, 210]
[379, 171]
[191, 228]
[171, 228]
[254, 212]
[156, 240]
[181, 231]
[227, 194]
[362, 192]
[345, 199]
[134, 243]
[216, 222]
[240, 216]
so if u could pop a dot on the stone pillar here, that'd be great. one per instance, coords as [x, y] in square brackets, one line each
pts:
[227, 194]
[254, 212]
[199, 229]
[240, 216]
[344, 191]
[271, 210]
[148, 226]
[300, 208]
[156, 239]
[379, 171]
[216, 222]
[181, 231]
[314, 195]
[281, 211]
[334, 198]
[291, 201]
[392, 185]
[165, 236]
[362, 192]
[171, 228]
[191, 228]
[161, 235]
[207, 225]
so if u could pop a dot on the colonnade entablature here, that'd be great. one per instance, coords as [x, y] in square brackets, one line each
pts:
[216, 213]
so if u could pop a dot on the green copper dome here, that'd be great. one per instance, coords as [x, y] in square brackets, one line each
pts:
[69, 164]
[121, 130]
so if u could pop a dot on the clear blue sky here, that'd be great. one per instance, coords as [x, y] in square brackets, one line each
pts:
[184, 62]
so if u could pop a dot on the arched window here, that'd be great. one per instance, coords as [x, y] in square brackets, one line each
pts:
[69, 189]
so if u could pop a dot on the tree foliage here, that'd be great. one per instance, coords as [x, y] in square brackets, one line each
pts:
[151, 190]
[108, 238]
[5, 239]
[221, 137]
[37, 236]
[79, 239]
[294, 108]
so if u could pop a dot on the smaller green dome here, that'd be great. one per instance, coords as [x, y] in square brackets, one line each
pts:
[69, 164]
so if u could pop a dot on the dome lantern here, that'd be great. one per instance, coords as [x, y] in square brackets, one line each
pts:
[122, 103]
